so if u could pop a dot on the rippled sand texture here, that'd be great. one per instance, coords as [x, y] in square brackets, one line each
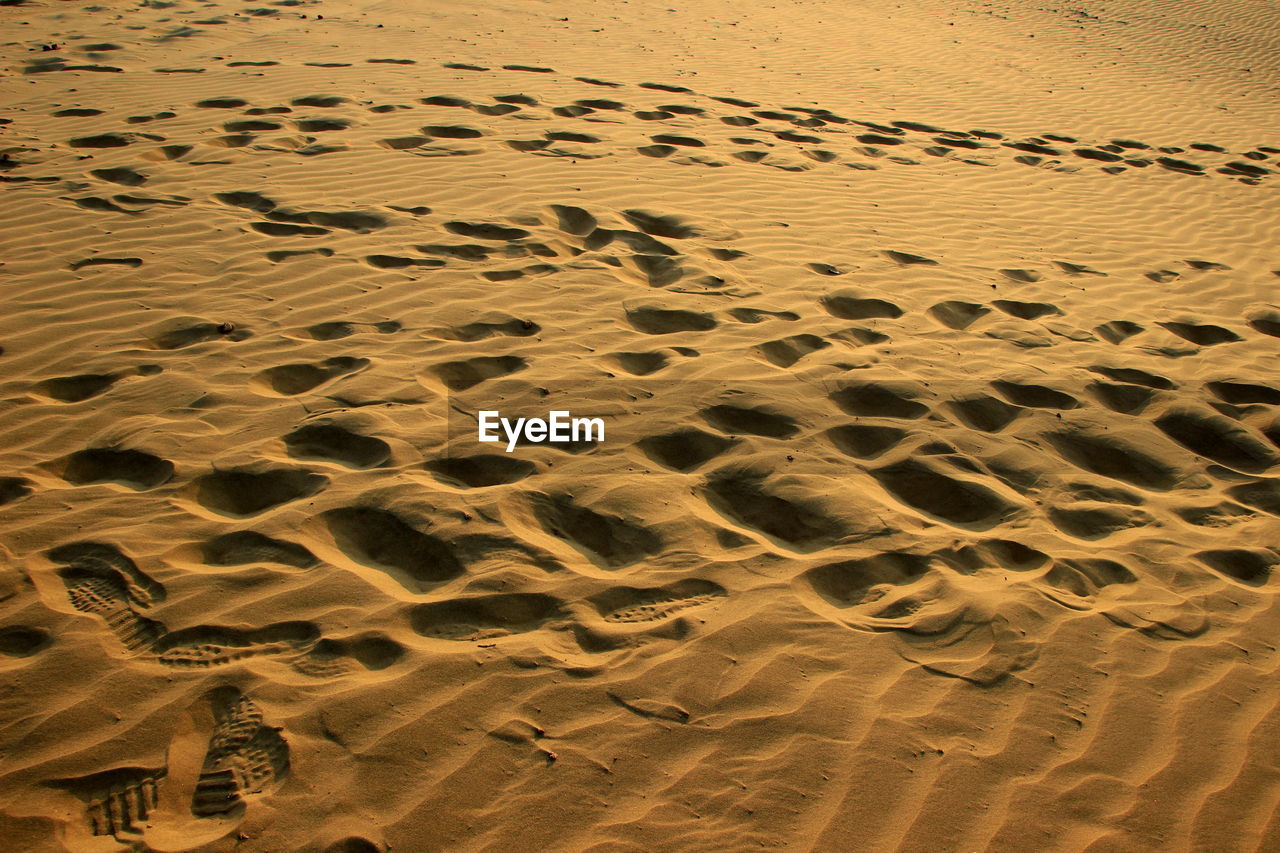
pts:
[938, 346]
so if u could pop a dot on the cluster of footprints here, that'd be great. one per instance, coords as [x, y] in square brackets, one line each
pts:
[791, 138]
[938, 453]
[102, 581]
[221, 756]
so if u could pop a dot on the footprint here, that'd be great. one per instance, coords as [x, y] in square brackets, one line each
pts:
[289, 380]
[908, 259]
[103, 140]
[73, 389]
[248, 547]
[1081, 579]
[136, 469]
[760, 315]
[1202, 334]
[627, 604]
[132, 263]
[1025, 310]
[281, 229]
[250, 125]
[650, 709]
[984, 413]
[1118, 331]
[607, 540]
[1218, 438]
[924, 486]
[337, 329]
[322, 125]
[13, 489]
[1259, 494]
[658, 151]
[384, 541]
[1097, 521]
[182, 333]
[673, 139]
[1034, 396]
[21, 641]
[1134, 376]
[640, 363]
[736, 420]
[476, 472]
[660, 225]
[485, 231]
[656, 270]
[848, 307]
[798, 524]
[95, 585]
[568, 136]
[222, 103]
[958, 315]
[333, 658]
[684, 449]
[664, 321]
[120, 175]
[1111, 455]
[1244, 393]
[573, 220]
[485, 617]
[1249, 566]
[480, 330]
[880, 400]
[865, 441]
[855, 584]
[208, 646]
[1182, 166]
[242, 493]
[1076, 269]
[100, 559]
[451, 131]
[246, 758]
[403, 143]
[878, 139]
[361, 222]
[118, 802]
[467, 373]
[1266, 321]
[666, 87]
[278, 256]
[1020, 337]
[323, 101]
[332, 443]
[247, 199]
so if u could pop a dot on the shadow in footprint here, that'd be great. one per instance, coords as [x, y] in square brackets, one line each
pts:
[332, 443]
[607, 540]
[241, 493]
[383, 540]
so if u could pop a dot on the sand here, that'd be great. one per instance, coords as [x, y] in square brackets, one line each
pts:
[937, 349]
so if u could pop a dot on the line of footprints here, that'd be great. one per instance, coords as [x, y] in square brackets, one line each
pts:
[792, 138]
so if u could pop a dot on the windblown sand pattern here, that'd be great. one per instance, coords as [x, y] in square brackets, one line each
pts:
[939, 350]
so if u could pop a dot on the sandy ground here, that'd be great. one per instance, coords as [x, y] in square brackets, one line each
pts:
[937, 347]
